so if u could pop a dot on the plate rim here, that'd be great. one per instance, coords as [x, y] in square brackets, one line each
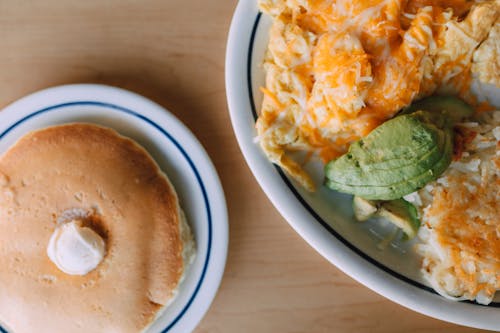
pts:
[243, 27]
[156, 116]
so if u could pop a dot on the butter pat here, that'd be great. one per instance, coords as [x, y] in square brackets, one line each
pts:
[76, 249]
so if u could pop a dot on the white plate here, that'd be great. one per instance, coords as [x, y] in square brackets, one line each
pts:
[324, 219]
[179, 155]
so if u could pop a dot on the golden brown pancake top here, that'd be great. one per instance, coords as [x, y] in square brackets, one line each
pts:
[50, 175]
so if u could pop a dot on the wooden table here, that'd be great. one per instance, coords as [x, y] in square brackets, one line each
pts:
[173, 52]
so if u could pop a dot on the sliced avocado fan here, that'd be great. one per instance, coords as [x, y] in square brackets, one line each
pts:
[397, 158]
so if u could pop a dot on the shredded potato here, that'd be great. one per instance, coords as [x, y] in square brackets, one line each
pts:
[460, 214]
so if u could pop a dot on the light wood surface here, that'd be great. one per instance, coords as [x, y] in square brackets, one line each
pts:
[173, 52]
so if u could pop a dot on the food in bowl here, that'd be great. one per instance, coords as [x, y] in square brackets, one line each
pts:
[348, 85]
[461, 217]
[92, 237]
[397, 158]
[335, 70]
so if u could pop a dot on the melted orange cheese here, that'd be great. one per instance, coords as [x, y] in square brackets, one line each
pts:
[363, 67]
[336, 69]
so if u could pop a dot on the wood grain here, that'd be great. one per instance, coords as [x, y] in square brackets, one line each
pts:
[173, 52]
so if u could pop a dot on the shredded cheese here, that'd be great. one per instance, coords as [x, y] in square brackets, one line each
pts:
[340, 68]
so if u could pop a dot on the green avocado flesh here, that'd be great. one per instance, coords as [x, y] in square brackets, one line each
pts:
[402, 214]
[455, 109]
[397, 158]
[399, 212]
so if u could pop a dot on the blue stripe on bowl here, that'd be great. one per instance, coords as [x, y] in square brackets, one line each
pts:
[311, 211]
[182, 151]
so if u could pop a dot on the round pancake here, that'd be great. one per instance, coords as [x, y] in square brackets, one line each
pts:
[80, 170]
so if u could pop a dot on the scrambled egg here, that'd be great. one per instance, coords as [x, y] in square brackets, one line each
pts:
[487, 58]
[335, 70]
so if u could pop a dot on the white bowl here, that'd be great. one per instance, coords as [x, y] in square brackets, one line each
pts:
[325, 219]
[178, 154]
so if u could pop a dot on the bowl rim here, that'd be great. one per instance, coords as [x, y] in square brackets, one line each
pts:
[294, 209]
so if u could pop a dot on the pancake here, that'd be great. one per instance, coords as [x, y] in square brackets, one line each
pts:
[92, 174]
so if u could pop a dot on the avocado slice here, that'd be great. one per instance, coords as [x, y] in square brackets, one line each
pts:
[391, 192]
[424, 140]
[363, 209]
[397, 158]
[402, 214]
[401, 143]
[453, 107]
[397, 190]
[410, 160]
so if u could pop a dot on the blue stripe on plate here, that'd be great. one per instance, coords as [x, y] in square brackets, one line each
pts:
[311, 211]
[183, 152]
